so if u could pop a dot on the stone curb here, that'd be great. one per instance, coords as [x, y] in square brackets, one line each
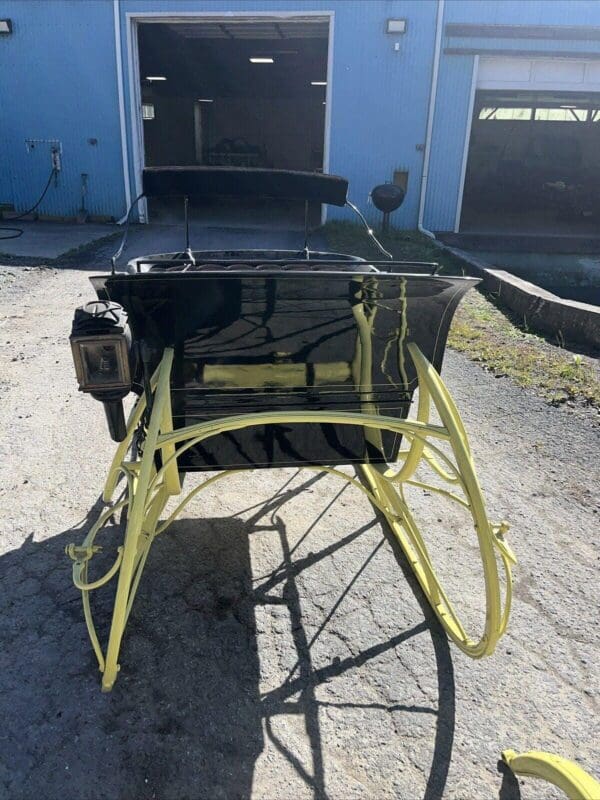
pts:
[567, 320]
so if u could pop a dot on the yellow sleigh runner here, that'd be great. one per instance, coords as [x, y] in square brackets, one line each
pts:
[565, 774]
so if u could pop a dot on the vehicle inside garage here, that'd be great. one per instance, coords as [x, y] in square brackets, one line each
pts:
[244, 92]
[533, 164]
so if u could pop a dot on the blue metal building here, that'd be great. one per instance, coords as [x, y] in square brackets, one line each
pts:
[405, 94]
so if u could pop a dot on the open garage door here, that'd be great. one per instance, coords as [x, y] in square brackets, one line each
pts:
[534, 153]
[235, 92]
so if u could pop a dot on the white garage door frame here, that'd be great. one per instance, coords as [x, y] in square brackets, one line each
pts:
[133, 20]
[539, 74]
[525, 74]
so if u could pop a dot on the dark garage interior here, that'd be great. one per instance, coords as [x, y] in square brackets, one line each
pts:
[235, 92]
[534, 164]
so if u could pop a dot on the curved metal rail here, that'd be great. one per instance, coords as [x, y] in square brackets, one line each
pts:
[149, 489]
[565, 774]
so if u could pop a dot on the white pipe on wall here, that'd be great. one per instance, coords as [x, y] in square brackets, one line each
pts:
[465, 155]
[430, 114]
[124, 150]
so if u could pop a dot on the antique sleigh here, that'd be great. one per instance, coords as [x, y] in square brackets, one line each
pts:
[264, 359]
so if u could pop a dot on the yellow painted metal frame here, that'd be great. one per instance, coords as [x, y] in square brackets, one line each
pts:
[565, 774]
[149, 489]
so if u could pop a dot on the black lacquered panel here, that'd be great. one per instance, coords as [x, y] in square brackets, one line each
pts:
[244, 182]
[252, 341]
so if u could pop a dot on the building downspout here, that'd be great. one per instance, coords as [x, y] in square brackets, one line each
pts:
[430, 116]
[121, 94]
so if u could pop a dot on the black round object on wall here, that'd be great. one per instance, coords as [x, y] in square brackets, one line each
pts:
[387, 197]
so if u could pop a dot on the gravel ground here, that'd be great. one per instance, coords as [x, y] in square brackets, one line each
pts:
[278, 648]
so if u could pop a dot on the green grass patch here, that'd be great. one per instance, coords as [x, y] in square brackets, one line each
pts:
[346, 237]
[486, 334]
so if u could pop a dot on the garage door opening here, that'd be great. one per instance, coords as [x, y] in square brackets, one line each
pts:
[533, 164]
[243, 92]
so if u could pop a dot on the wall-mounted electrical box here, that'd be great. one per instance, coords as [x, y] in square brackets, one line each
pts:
[401, 179]
[56, 159]
[53, 146]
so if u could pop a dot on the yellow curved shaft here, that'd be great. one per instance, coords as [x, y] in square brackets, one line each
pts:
[149, 489]
[565, 774]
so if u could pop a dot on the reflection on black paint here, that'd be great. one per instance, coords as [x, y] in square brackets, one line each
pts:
[261, 318]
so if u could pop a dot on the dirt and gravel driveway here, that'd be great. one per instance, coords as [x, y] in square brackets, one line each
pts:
[278, 648]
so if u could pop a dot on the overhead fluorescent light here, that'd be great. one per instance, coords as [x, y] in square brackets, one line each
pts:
[155, 78]
[205, 100]
[261, 60]
[318, 83]
[568, 106]
[5, 26]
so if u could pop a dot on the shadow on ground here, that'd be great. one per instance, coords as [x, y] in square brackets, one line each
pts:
[509, 790]
[186, 718]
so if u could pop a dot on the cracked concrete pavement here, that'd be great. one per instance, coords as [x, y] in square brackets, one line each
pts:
[278, 647]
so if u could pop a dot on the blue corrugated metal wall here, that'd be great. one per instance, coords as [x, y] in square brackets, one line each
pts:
[524, 12]
[59, 81]
[379, 99]
[447, 143]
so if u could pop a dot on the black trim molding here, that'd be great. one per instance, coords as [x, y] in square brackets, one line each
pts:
[561, 32]
[517, 53]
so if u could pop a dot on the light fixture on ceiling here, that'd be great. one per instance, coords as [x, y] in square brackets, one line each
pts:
[568, 106]
[318, 83]
[205, 100]
[155, 78]
[261, 60]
